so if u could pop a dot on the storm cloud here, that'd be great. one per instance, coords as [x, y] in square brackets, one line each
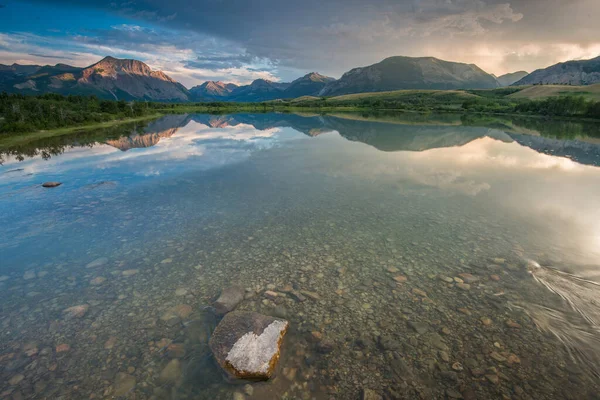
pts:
[284, 39]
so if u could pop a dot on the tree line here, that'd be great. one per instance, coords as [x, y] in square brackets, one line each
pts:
[20, 113]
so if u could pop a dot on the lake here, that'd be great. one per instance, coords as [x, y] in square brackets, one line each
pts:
[438, 257]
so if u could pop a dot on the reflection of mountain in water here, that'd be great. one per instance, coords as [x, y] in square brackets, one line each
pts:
[398, 137]
[582, 152]
[155, 131]
[391, 134]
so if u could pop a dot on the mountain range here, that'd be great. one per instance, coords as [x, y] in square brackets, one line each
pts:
[579, 72]
[125, 79]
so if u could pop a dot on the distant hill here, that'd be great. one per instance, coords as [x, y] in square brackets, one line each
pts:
[397, 73]
[211, 90]
[260, 89]
[308, 85]
[590, 92]
[110, 78]
[509, 79]
[581, 72]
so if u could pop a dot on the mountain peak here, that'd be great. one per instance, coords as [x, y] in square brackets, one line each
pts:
[317, 77]
[401, 72]
[574, 72]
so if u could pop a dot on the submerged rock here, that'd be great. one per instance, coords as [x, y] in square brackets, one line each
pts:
[76, 311]
[171, 372]
[51, 184]
[98, 262]
[229, 299]
[124, 383]
[247, 344]
[370, 394]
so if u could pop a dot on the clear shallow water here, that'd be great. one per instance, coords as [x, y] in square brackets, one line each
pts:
[334, 205]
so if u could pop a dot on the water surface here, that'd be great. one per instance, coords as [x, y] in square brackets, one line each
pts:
[491, 227]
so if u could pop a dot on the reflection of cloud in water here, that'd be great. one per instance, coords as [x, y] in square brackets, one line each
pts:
[208, 147]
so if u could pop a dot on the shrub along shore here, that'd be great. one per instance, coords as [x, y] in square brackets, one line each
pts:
[21, 114]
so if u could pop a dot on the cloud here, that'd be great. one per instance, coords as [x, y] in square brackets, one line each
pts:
[50, 56]
[287, 39]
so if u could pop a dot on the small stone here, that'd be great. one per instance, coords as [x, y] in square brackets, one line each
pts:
[180, 311]
[325, 346]
[51, 184]
[463, 286]
[311, 295]
[499, 261]
[392, 270]
[15, 380]
[486, 321]
[124, 383]
[99, 280]
[181, 292]
[457, 366]
[512, 324]
[513, 359]
[290, 373]
[465, 311]
[437, 341]
[400, 278]
[446, 279]
[271, 294]
[167, 261]
[29, 275]
[444, 356]
[61, 348]
[297, 296]
[495, 277]
[453, 394]
[493, 378]
[248, 389]
[171, 372]
[419, 327]
[76, 311]
[110, 343]
[229, 299]
[176, 350]
[32, 351]
[238, 396]
[316, 336]
[130, 272]
[468, 278]
[98, 262]
[419, 292]
[369, 394]
[458, 280]
[497, 356]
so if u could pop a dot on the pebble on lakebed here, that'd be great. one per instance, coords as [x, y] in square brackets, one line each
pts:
[247, 344]
[51, 184]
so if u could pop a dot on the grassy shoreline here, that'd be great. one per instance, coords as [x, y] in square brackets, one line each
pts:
[11, 139]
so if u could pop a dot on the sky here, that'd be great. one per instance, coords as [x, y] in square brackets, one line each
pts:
[242, 40]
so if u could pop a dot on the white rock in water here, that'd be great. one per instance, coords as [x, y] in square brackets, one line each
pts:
[247, 344]
[254, 352]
